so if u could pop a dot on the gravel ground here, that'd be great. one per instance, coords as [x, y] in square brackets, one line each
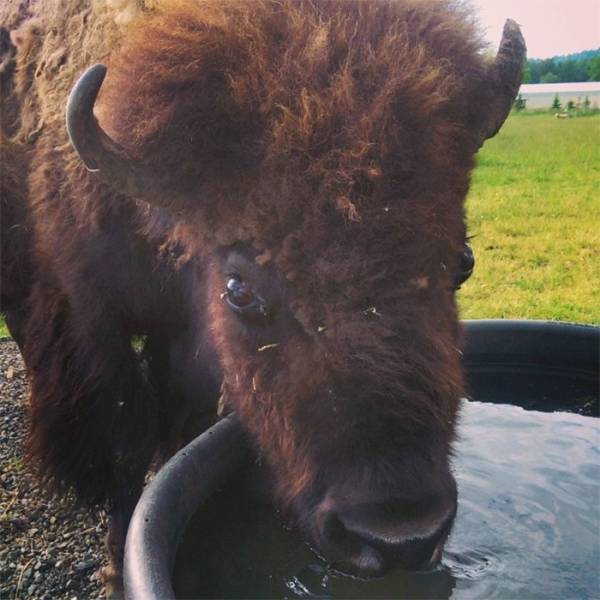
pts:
[49, 548]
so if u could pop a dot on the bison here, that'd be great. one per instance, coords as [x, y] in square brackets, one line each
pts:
[258, 207]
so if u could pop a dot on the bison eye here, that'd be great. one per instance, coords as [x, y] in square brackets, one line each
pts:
[241, 298]
[466, 266]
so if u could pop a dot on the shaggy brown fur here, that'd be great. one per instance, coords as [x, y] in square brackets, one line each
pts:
[321, 151]
[15, 239]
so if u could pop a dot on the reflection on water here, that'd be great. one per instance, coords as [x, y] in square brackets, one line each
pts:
[529, 505]
[528, 525]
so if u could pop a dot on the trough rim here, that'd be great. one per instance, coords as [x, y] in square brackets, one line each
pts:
[180, 486]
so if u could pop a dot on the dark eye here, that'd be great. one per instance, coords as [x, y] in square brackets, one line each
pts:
[466, 266]
[241, 298]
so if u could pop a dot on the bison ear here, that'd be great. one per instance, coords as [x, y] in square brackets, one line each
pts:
[102, 155]
[497, 90]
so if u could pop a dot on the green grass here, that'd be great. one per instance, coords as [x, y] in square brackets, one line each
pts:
[534, 209]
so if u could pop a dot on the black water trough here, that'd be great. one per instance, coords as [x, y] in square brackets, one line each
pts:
[545, 365]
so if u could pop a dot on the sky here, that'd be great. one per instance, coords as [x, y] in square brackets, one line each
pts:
[550, 27]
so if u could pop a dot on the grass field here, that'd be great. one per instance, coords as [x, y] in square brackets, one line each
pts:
[534, 209]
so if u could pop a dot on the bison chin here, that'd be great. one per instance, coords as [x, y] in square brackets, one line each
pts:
[368, 528]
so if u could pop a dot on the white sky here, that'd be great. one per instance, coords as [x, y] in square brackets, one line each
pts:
[550, 27]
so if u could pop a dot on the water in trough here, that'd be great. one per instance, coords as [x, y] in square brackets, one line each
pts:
[528, 524]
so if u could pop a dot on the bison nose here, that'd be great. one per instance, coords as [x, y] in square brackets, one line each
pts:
[368, 539]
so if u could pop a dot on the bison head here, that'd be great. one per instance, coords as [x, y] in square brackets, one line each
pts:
[318, 156]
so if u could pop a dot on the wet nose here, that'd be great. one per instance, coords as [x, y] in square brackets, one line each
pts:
[369, 538]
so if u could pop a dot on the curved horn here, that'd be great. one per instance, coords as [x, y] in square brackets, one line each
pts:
[504, 80]
[97, 150]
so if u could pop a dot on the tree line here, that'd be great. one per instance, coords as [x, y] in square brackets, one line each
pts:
[583, 66]
[579, 106]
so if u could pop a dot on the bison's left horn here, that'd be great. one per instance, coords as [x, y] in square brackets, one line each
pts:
[97, 150]
[503, 80]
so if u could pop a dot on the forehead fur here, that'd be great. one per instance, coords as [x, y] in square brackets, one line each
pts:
[316, 130]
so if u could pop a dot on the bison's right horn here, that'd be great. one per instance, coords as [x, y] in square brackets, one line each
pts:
[97, 150]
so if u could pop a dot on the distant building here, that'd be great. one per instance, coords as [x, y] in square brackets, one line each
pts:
[541, 95]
